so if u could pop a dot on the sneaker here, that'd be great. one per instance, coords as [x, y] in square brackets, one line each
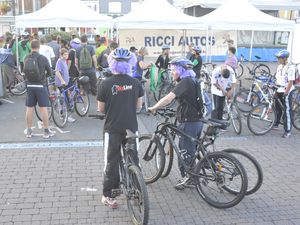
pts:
[71, 119]
[275, 128]
[184, 182]
[29, 133]
[48, 133]
[286, 134]
[110, 202]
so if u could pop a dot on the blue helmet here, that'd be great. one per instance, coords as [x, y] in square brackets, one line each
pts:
[121, 54]
[165, 47]
[182, 61]
[283, 54]
[197, 49]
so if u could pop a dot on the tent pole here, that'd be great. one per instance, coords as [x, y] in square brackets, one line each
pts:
[210, 45]
[206, 45]
[292, 43]
[251, 45]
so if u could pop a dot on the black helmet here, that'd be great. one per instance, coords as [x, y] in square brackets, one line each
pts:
[121, 54]
[182, 61]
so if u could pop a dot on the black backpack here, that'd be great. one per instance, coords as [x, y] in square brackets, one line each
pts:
[31, 69]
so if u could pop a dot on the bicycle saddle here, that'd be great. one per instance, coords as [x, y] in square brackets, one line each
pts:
[219, 123]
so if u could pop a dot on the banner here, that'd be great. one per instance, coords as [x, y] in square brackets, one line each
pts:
[214, 43]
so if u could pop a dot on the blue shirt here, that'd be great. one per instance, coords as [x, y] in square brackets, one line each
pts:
[138, 72]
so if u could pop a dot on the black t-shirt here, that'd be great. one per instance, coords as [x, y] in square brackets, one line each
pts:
[197, 68]
[120, 94]
[185, 92]
[162, 62]
[73, 71]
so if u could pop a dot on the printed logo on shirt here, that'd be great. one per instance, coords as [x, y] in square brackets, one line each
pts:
[120, 88]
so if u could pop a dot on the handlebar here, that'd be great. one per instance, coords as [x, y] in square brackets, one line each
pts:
[165, 112]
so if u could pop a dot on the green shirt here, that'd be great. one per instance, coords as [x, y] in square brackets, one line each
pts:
[99, 50]
[23, 52]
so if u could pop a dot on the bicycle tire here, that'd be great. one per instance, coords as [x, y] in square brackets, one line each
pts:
[153, 163]
[169, 158]
[239, 71]
[212, 164]
[264, 117]
[59, 112]
[38, 113]
[236, 119]
[258, 179]
[140, 198]
[296, 116]
[242, 102]
[18, 87]
[81, 104]
[261, 69]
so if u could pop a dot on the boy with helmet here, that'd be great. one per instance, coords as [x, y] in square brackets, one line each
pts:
[196, 60]
[163, 59]
[285, 76]
[187, 113]
[119, 96]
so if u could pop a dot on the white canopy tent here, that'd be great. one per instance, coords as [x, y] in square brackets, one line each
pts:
[157, 14]
[64, 13]
[294, 44]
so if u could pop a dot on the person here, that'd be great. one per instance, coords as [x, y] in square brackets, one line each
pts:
[37, 91]
[120, 96]
[222, 84]
[190, 52]
[163, 59]
[102, 46]
[231, 59]
[141, 65]
[23, 48]
[187, 111]
[47, 51]
[7, 62]
[285, 76]
[133, 50]
[73, 70]
[89, 68]
[62, 77]
[56, 48]
[196, 60]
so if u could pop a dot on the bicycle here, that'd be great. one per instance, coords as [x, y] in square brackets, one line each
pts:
[205, 75]
[296, 107]
[18, 86]
[132, 183]
[219, 172]
[77, 100]
[232, 114]
[257, 68]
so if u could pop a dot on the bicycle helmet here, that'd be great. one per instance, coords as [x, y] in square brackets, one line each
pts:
[84, 79]
[121, 54]
[197, 49]
[165, 47]
[75, 43]
[283, 54]
[182, 61]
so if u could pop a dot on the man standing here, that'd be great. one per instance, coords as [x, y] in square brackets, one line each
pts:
[120, 96]
[285, 76]
[56, 48]
[87, 63]
[47, 51]
[37, 91]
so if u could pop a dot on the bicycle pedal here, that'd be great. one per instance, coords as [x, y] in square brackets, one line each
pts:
[116, 192]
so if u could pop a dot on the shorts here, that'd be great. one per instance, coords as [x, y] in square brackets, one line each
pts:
[37, 94]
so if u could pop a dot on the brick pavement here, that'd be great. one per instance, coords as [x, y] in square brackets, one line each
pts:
[63, 186]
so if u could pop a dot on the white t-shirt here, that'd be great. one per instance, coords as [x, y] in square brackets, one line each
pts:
[217, 78]
[48, 52]
[284, 74]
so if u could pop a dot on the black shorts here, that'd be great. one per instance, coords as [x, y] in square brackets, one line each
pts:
[37, 94]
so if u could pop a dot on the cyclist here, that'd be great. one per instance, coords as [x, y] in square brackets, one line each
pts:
[222, 84]
[190, 52]
[141, 65]
[120, 95]
[187, 114]
[285, 76]
[196, 60]
[163, 59]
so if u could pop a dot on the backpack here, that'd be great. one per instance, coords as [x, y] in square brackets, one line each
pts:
[85, 58]
[31, 69]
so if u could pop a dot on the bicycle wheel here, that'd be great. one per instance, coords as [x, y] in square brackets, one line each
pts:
[246, 100]
[235, 118]
[216, 173]
[152, 158]
[296, 116]
[59, 112]
[39, 114]
[18, 87]
[239, 71]
[261, 119]
[82, 104]
[169, 157]
[261, 69]
[137, 196]
[252, 167]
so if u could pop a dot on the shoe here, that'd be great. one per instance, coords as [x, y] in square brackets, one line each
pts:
[110, 202]
[29, 133]
[71, 119]
[185, 182]
[48, 133]
[275, 128]
[286, 134]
